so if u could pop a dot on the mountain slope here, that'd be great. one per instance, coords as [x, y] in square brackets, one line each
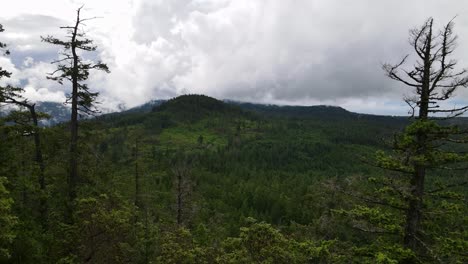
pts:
[295, 111]
[195, 107]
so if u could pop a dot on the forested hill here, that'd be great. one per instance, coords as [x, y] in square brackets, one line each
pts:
[325, 111]
[60, 113]
[198, 180]
[195, 107]
[321, 140]
[191, 109]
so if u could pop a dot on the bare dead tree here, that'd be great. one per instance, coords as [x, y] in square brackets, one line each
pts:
[433, 78]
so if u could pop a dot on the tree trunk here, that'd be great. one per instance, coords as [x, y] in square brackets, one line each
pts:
[40, 162]
[38, 158]
[179, 198]
[138, 202]
[73, 178]
[414, 213]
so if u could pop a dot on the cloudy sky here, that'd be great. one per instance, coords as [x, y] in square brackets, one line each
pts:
[301, 52]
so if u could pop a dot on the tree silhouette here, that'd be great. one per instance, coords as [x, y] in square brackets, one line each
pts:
[434, 78]
[71, 67]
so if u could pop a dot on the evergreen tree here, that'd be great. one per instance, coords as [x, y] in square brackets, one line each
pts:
[71, 67]
[434, 79]
[7, 220]
[29, 124]
[415, 220]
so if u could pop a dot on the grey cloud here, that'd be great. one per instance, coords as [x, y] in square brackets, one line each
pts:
[304, 51]
[24, 32]
[33, 23]
[159, 18]
[321, 50]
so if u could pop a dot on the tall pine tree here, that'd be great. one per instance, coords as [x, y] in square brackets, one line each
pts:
[71, 67]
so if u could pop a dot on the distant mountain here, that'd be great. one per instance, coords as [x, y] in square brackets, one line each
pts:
[192, 102]
[194, 107]
[294, 111]
[146, 107]
[58, 112]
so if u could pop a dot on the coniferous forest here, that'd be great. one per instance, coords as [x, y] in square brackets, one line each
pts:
[197, 180]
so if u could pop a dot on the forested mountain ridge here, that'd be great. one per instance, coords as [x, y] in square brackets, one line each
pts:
[197, 180]
[60, 113]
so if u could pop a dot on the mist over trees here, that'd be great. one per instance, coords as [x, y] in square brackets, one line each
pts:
[198, 180]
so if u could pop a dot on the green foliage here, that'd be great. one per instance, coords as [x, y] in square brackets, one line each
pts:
[383, 203]
[179, 247]
[383, 254]
[256, 243]
[289, 174]
[195, 107]
[7, 221]
[261, 243]
[102, 232]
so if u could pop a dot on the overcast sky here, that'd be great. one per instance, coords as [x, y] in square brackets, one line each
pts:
[299, 52]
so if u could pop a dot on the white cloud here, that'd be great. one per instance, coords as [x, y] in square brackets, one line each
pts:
[43, 95]
[28, 61]
[8, 66]
[35, 75]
